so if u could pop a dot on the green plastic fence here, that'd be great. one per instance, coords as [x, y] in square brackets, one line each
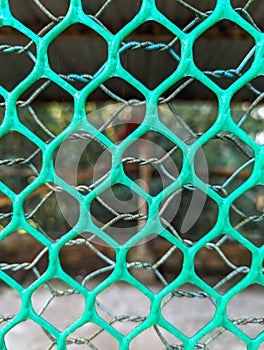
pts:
[120, 268]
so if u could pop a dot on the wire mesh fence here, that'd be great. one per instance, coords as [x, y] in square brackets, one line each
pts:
[136, 188]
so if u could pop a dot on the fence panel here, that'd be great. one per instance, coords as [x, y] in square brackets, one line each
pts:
[116, 220]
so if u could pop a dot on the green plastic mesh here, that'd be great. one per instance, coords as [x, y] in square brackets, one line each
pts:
[24, 208]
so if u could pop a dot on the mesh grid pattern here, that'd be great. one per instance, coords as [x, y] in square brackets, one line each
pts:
[39, 164]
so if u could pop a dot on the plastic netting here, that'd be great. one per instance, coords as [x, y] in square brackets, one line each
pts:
[31, 180]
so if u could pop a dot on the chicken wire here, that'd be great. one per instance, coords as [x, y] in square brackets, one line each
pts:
[40, 168]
